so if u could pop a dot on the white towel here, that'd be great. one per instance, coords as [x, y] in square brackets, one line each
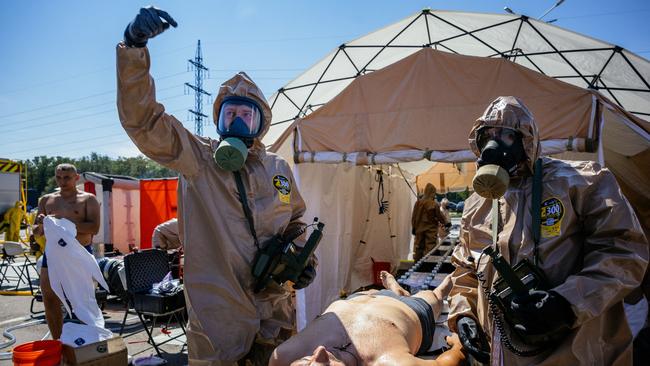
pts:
[71, 270]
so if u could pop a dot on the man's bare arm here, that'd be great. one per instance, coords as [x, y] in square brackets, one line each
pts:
[40, 213]
[91, 224]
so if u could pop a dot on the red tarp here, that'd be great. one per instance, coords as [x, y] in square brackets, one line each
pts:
[157, 204]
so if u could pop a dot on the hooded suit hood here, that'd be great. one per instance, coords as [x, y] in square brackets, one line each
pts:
[241, 85]
[509, 112]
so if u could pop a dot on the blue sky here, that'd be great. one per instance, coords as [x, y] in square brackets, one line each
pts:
[57, 70]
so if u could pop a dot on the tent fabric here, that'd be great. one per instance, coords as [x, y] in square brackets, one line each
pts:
[344, 197]
[409, 105]
[447, 177]
[158, 203]
[547, 49]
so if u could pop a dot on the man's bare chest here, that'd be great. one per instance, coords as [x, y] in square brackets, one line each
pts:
[73, 208]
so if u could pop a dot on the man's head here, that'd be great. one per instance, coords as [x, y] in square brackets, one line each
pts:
[506, 142]
[240, 117]
[507, 121]
[66, 176]
[241, 97]
[429, 191]
[320, 357]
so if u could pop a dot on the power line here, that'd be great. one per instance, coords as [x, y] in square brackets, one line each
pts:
[78, 117]
[82, 98]
[74, 142]
[84, 108]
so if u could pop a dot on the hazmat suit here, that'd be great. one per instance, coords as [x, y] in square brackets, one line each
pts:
[225, 315]
[425, 220]
[12, 219]
[165, 236]
[591, 249]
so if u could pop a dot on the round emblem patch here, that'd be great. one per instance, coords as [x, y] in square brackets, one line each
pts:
[283, 186]
[551, 215]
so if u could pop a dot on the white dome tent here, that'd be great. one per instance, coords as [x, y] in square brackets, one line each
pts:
[365, 104]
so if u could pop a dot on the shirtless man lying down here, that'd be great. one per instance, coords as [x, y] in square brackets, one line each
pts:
[387, 327]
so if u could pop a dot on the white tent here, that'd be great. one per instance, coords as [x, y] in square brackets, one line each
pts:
[610, 118]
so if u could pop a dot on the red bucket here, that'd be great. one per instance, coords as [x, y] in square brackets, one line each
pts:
[38, 353]
[377, 267]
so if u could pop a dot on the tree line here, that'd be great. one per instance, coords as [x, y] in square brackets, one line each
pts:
[40, 169]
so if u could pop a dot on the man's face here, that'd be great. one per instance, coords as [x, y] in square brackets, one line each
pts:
[245, 112]
[321, 357]
[66, 179]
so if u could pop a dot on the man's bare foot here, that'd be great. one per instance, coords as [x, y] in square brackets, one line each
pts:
[390, 283]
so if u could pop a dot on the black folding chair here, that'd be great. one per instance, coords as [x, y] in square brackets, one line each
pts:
[144, 269]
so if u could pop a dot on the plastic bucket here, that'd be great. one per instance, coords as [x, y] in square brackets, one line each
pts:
[377, 267]
[38, 353]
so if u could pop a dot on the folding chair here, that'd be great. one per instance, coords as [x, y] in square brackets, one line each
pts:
[143, 270]
[10, 252]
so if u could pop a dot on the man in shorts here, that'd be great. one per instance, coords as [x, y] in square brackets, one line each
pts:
[82, 209]
[386, 327]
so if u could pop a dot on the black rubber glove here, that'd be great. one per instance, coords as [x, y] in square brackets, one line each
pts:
[306, 277]
[542, 312]
[473, 339]
[147, 24]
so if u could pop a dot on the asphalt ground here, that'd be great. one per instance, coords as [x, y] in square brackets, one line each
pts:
[15, 310]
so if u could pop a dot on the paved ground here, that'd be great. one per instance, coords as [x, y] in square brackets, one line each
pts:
[15, 310]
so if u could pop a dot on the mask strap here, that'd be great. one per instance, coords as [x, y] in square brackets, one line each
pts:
[536, 207]
[244, 202]
[495, 221]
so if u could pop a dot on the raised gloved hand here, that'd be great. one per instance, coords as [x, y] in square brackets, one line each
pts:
[542, 312]
[306, 277]
[147, 24]
[473, 339]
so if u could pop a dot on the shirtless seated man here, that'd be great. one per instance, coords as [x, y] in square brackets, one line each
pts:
[386, 327]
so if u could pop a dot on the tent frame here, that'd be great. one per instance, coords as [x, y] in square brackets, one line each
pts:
[591, 81]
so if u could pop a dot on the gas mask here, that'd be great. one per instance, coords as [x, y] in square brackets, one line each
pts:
[501, 151]
[240, 121]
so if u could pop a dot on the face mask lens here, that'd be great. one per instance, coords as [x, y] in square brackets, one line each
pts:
[239, 118]
[506, 136]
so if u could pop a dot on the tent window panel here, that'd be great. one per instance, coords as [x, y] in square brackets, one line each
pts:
[500, 37]
[619, 74]
[314, 72]
[414, 34]
[441, 30]
[554, 65]
[589, 63]
[563, 39]
[530, 41]
[383, 35]
[633, 102]
[467, 45]
[640, 64]
[389, 56]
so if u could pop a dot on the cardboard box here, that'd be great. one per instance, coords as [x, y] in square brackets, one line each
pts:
[111, 352]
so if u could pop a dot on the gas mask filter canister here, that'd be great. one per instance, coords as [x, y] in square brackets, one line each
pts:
[231, 154]
[496, 164]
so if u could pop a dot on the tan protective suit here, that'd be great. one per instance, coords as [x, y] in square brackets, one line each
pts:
[591, 249]
[225, 314]
[166, 236]
[13, 217]
[425, 220]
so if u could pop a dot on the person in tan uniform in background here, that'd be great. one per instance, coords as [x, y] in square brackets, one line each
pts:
[591, 249]
[221, 234]
[425, 220]
[165, 235]
[82, 209]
